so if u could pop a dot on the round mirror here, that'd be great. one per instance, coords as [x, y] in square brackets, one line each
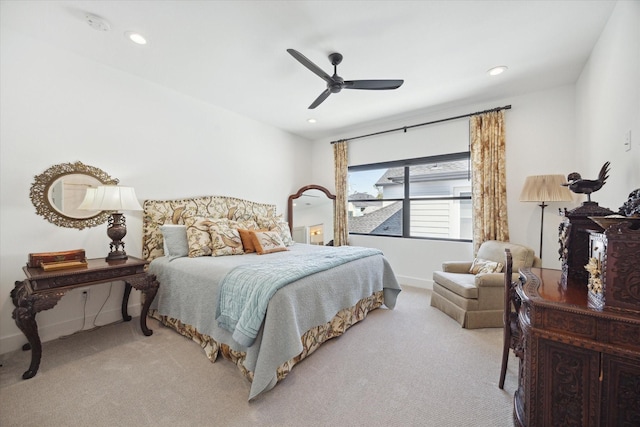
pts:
[58, 192]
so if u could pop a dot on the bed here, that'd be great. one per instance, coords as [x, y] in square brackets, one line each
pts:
[336, 287]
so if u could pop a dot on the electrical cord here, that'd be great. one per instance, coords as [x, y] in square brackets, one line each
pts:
[84, 318]
[101, 307]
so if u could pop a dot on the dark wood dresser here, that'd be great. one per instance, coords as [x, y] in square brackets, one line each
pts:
[581, 364]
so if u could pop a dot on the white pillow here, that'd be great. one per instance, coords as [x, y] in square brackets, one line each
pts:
[175, 240]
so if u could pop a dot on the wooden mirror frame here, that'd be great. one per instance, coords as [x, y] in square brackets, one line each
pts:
[299, 194]
[41, 186]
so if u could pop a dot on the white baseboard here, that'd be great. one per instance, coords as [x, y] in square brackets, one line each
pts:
[415, 282]
[54, 331]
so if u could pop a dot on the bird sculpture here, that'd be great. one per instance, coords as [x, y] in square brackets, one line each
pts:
[587, 186]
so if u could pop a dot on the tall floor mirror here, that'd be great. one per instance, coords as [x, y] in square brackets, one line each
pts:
[311, 215]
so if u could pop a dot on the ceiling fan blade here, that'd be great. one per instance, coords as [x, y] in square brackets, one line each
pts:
[310, 65]
[372, 84]
[324, 95]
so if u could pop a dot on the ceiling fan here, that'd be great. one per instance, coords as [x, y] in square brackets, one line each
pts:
[336, 83]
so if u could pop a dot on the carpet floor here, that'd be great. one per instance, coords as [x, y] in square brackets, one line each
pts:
[412, 366]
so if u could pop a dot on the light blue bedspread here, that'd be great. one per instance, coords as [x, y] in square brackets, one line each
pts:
[246, 290]
[189, 288]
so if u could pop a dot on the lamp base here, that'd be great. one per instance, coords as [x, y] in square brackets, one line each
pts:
[116, 256]
[116, 230]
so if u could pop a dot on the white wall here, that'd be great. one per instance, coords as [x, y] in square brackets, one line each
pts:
[608, 106]
[58, 107]
[540, 130]
[557, 131]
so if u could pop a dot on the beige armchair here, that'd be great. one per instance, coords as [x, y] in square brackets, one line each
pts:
[477, 300]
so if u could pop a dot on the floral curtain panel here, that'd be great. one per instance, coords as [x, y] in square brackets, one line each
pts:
[341, 230]
[489, 192]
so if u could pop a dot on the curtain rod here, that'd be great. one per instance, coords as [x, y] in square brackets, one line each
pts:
[404, 128]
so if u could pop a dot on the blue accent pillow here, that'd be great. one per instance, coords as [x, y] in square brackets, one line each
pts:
[175, 240]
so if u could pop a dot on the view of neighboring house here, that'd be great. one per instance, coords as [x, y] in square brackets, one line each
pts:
[382, 219]
[434, 211]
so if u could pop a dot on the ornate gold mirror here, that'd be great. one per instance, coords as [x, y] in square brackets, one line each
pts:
[57, 193]
[310, 215]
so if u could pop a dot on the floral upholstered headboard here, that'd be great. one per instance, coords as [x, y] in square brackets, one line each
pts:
[160, 212]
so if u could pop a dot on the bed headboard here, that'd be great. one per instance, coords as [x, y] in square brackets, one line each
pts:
[160, 212]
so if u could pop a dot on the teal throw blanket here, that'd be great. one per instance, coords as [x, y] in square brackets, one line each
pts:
[246, 290]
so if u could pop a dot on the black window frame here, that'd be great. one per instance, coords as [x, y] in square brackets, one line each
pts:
[406, 200]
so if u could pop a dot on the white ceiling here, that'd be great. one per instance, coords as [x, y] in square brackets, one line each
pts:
[233, 53]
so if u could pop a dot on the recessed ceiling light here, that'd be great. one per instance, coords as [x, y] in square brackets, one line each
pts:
[311, 120]
[497, 70]
[135, 37]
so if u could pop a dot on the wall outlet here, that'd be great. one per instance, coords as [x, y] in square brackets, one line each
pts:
[85, 295]
[627, 141]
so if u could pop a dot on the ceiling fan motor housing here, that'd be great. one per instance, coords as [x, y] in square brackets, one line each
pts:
[336, 85]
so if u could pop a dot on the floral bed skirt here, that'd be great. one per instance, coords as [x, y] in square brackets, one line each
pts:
[311, 340]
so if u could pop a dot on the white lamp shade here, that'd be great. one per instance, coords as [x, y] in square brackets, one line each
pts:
[111, 198]
[89, 197]
[545, 188]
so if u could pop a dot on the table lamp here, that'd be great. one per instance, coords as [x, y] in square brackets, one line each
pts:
[113, 198]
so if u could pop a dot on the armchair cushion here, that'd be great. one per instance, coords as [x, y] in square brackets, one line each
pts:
[463, 284]
[488, 280]
[456, 266]
[493, 250]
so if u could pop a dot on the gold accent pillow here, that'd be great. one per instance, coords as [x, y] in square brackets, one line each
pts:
[247, 241]
[483, 266]
[267, 242]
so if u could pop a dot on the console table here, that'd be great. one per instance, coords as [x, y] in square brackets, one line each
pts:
[581, 364]
[42, 291]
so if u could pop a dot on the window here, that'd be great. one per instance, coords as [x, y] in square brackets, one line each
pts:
[428, 197]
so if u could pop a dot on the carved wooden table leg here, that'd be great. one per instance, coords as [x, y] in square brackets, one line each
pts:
[27, 305]
[125, 302]
[148, 285]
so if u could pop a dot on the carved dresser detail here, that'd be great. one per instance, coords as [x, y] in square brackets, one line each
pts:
[574, 239]
[616, 255]
[581, 364]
